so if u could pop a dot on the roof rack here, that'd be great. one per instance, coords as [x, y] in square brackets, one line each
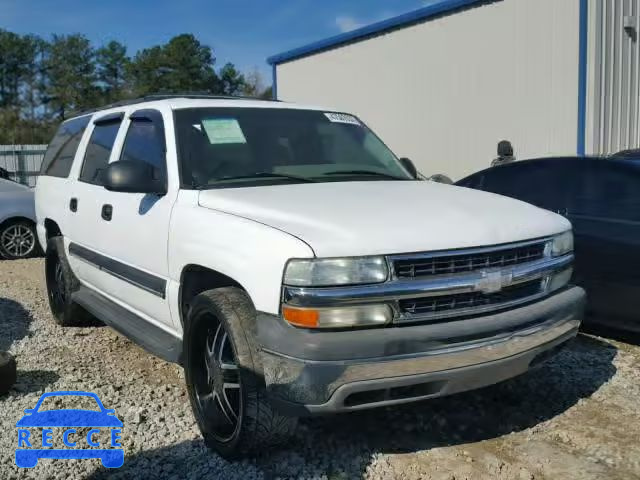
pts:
[165, 96]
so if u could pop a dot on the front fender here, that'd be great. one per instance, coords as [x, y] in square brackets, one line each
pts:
[252, 254]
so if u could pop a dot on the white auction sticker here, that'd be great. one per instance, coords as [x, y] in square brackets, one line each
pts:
[342, 118]
[223, 131]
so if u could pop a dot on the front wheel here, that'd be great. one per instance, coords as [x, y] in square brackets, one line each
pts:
[224, 376]
[61, 284]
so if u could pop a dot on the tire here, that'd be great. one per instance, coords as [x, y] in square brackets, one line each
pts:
[221, 324]
[18, 240]
[7, 372]
[61, 283]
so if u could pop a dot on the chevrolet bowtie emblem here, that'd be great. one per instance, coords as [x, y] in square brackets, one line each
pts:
[492, 282]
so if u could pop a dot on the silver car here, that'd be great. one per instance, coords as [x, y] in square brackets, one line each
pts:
[17, 221]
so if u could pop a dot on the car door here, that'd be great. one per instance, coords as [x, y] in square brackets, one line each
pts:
[604, 209]
[125, 254]
[86, 194]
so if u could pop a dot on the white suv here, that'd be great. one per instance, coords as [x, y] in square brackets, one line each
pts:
[292, 263]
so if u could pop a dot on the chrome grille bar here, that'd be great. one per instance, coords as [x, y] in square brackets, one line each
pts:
[402, 289]
[453, 262]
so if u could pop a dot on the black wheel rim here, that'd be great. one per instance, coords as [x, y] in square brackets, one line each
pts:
[18, 240]
[57, 291]
[217, 382]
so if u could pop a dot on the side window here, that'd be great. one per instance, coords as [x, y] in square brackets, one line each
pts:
[96, 158]
[145, 141]
[62, 149]
[540, 183]
[608, 192]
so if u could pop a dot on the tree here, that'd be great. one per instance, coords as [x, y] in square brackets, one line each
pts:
[231, 82]
[182, 65]
[267, 93]
[253, 84]
[17, 55]
[42, 82]
[70, 66]
[112, 62]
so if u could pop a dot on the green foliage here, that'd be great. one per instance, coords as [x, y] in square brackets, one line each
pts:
[231, 82]
[43, 82]
[71, 71]
[182, 65]
[17, 55]
[112, 64]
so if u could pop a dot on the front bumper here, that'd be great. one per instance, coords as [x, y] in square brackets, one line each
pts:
[315, 372]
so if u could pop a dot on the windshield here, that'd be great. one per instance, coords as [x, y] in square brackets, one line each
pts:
[232, 147]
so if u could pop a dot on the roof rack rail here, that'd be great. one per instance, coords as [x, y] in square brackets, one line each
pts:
[165, 96]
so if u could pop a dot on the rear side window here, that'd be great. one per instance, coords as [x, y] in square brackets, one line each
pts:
[145, 140]
[605, 191]
[99, 149]
[62, 149]
[543, 184]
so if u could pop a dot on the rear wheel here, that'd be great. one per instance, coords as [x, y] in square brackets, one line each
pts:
[224, 376]
[18, 240]
[61, 283]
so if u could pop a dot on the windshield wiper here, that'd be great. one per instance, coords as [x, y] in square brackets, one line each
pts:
[365, 172]
[265, 175]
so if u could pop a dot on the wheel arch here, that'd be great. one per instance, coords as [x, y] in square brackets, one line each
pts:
[17, 218]
[195, 279]
[52, 228]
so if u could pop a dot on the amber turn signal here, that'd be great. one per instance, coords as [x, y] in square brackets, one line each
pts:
[338, 317]
[301, 317]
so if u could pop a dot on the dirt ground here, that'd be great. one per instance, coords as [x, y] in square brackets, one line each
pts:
[575, 417]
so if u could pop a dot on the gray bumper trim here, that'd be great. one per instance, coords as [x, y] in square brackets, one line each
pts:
[380, 392]
[410, 355]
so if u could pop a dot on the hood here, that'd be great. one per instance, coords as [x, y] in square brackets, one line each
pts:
[384, 217]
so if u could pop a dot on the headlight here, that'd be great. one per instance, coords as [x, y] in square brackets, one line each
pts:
[326, 272]
[562, 244]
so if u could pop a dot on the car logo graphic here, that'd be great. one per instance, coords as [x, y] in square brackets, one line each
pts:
[493, 281]
[27, 456]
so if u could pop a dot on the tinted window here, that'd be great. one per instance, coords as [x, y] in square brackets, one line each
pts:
[542, 183]
[62, 149]
[608, 191]
[98, 151]
[145, 142]
[218, 145]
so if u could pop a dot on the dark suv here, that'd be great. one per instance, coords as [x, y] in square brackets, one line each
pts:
[601, 198]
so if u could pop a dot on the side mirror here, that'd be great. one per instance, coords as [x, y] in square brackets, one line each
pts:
[29, 411]
[133, 177]
[409, 167]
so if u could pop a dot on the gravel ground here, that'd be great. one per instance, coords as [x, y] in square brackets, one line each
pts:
[577, 416]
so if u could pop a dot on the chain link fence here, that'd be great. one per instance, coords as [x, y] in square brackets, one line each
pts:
[22, 162]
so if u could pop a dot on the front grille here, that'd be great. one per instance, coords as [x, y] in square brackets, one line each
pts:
[441, 305]
[467, 262]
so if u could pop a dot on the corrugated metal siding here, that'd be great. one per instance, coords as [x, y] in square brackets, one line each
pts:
[22, 161]
[445, 91]
[614, 77]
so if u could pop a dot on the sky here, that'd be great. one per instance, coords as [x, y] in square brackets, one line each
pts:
[244, 32]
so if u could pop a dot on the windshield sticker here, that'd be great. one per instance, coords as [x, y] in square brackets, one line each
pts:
[342, 118]
[223, 131]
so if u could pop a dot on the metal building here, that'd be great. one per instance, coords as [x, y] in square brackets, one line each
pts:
[443, 84]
